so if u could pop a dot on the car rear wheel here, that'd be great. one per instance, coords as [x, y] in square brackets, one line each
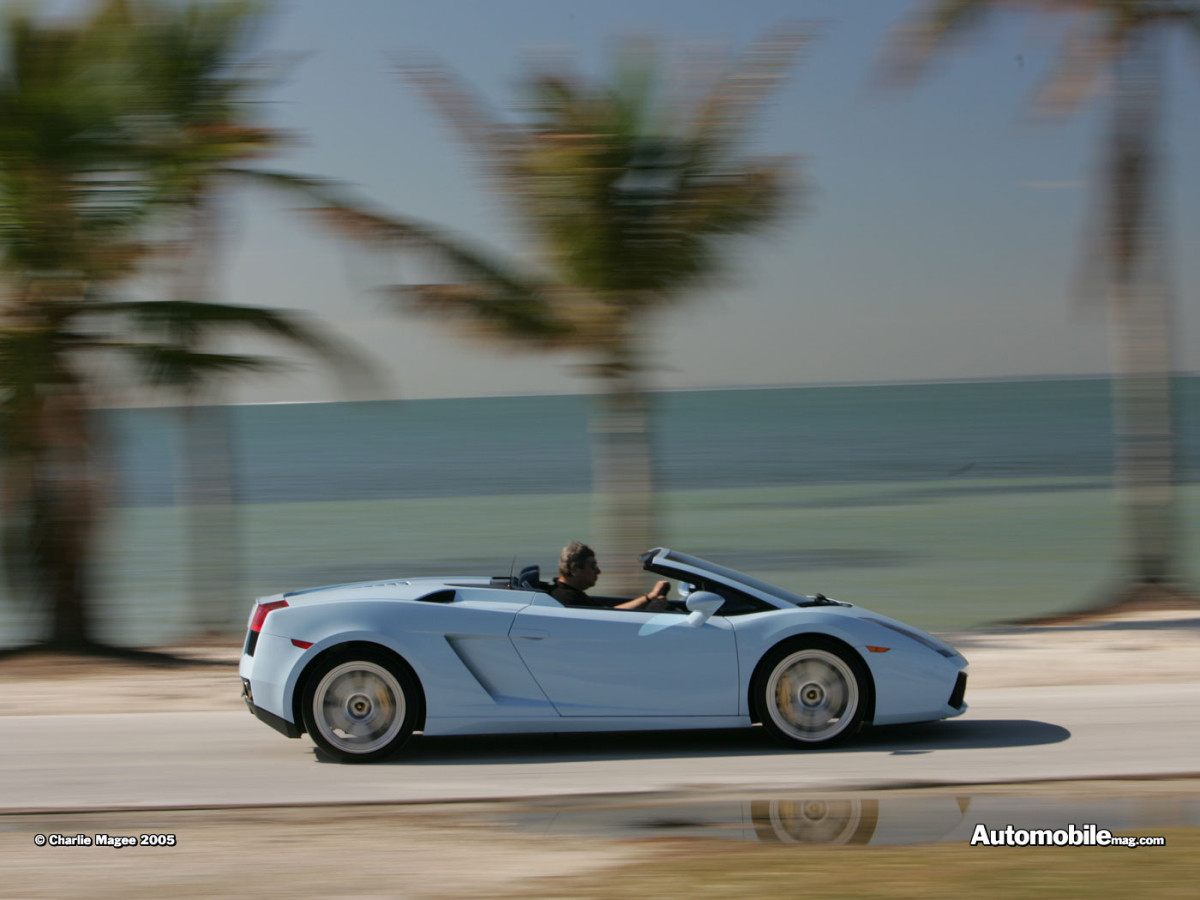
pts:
[815, 820]
[812, 694]
[360, 707]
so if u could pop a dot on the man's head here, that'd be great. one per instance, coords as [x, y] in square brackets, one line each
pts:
[577, 565]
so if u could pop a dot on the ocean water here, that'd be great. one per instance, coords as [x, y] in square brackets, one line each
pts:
[950, 505]
[289, 453]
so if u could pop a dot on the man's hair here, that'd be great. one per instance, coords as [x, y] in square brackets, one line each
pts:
[574, 555]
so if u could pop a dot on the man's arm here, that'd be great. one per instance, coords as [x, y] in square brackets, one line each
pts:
[659, 592]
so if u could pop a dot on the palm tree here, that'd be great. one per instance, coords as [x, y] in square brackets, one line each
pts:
[198, 134]
[630, 200]
[168, 340]
[92, 160]
[70, 221]
[1120, 40]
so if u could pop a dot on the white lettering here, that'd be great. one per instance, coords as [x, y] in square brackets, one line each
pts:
[115, 840]
[1089, 835]
[70, 840]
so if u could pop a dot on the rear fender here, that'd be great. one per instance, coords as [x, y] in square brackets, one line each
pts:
[316, 655]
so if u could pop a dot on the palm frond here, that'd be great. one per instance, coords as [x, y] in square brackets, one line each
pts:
[361, 222]
[482, 311]
[1087, 53]
[172, 366]
[186, 325]
[912, 45]
[726, 114]
[498, 146]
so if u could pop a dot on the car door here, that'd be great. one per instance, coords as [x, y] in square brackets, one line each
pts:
[458, 641]
[605, 662]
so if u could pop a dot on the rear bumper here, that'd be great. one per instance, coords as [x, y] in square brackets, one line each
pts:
[283, 726]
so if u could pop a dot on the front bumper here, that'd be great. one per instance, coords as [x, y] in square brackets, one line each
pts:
[957, 700]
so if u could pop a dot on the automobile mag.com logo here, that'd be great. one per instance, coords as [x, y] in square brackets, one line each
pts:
[1089, 835]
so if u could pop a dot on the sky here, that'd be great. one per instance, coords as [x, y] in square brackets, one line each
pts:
[938, 236]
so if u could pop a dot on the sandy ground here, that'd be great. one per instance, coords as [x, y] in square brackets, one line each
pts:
[368, 853]
[1145, 646]
[467, 850]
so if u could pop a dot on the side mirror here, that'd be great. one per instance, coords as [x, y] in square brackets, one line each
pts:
[701, 605]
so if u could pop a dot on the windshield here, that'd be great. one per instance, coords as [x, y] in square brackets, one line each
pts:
[734, 578]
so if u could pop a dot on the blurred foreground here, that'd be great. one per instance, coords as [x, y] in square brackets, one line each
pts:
[474, 850]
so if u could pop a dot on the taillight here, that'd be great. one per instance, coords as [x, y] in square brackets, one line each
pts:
[260, 614]
[256, 624]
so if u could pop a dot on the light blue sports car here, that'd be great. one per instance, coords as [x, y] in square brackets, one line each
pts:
[361, 667]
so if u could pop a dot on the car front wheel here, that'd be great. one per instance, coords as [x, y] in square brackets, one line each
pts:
[360, 707]
[812, 695]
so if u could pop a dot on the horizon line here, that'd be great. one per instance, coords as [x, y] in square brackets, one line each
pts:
[907, 382]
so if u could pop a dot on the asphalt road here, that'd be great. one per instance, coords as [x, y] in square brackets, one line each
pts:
[175, 760]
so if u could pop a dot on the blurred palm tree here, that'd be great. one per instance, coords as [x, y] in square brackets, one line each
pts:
[114, 127]
[199, 135]
[630, 195]
[1119, 42]
[169, 343]
[72, 211]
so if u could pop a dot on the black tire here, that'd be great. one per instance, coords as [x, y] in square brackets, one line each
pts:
[359, 705]
[812, 693]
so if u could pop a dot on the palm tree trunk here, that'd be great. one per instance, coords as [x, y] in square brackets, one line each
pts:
[1141, 323]
[623, 474]
[66, 501]
[207, 491]
[1143, 422]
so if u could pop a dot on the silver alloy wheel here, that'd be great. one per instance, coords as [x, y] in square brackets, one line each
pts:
[358, 707]
[812, 695]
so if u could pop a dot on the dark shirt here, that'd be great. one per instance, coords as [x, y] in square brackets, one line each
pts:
[569, 596]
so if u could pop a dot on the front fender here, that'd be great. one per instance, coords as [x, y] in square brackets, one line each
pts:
[759, 635]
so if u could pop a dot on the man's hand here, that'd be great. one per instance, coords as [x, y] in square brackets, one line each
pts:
[660, 591]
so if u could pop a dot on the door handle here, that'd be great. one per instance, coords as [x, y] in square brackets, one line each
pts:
[534, 634]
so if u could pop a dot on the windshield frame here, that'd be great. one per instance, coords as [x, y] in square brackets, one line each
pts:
[660, 560]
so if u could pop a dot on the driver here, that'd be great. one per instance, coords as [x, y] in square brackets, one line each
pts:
[578, 571]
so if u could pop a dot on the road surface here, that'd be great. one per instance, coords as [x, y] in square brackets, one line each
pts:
[174, 760]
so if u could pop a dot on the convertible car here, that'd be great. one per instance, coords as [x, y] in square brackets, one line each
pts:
[361, 667]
